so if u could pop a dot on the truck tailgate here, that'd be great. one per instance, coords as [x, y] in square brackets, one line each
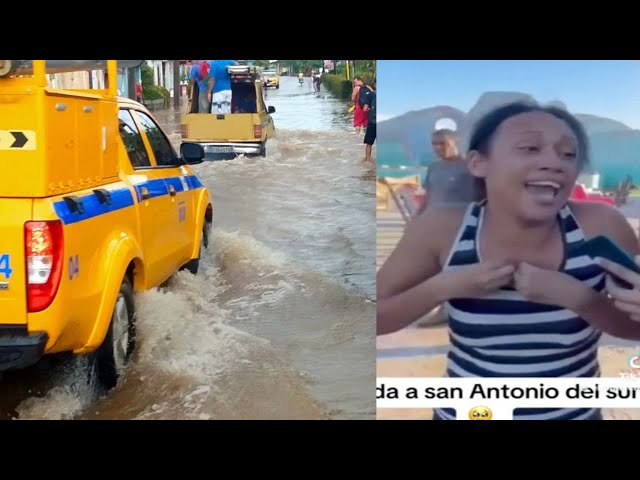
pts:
[14, 212]
[232, 127]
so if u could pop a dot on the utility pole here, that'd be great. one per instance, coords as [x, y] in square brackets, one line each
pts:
[177, 89]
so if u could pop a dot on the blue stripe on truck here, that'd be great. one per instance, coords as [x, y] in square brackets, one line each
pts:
[122, 198]
[193, 181]
[176, 183]
[156, 188]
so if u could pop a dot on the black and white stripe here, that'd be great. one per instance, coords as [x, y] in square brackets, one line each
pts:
[504, 335]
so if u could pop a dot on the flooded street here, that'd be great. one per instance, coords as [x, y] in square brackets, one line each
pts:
[279, 322]
[298, 107]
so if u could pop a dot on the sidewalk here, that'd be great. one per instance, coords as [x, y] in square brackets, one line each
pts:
[421, 351]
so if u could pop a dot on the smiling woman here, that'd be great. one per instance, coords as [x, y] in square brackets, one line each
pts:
[526, 128]
[521, 299]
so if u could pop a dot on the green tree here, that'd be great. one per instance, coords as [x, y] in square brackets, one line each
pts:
[151, 91]
[146, 73]
[364, 68]
[305, 66]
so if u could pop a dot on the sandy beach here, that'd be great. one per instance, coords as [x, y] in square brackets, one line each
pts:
[420, 351]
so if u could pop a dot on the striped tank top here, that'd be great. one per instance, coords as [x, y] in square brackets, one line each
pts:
[504, 335]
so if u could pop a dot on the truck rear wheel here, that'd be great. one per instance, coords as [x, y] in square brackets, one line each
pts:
[113, 355]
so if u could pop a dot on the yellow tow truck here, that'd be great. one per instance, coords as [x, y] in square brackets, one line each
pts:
[95, 204]
[245, 130]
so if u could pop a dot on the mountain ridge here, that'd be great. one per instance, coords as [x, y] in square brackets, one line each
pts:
[396, 126]
[615, 146]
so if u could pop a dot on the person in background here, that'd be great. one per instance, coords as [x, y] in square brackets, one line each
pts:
[317, 80]
[448, 180]
[219, 88]
[359, 116]
[522, 300]
[139, 92]
[368, 102]
[195, 74]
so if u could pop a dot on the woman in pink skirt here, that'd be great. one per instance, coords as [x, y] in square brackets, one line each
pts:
[359, 115]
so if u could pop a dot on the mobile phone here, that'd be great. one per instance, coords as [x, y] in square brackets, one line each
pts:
[603, 246]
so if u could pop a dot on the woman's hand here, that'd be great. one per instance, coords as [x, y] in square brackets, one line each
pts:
[625, 299]
[475, 280]
[551, 287]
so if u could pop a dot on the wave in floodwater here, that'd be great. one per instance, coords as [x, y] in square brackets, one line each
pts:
[279, 322]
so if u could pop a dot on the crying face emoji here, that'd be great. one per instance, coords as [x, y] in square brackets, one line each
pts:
[480, 413]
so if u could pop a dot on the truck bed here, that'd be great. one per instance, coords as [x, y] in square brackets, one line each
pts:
[227, 128]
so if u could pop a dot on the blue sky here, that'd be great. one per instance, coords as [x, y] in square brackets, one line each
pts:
[607, 88]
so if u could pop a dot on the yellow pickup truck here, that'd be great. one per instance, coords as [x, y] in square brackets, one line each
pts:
[243, 131]
[270, 78]
[95, 204]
